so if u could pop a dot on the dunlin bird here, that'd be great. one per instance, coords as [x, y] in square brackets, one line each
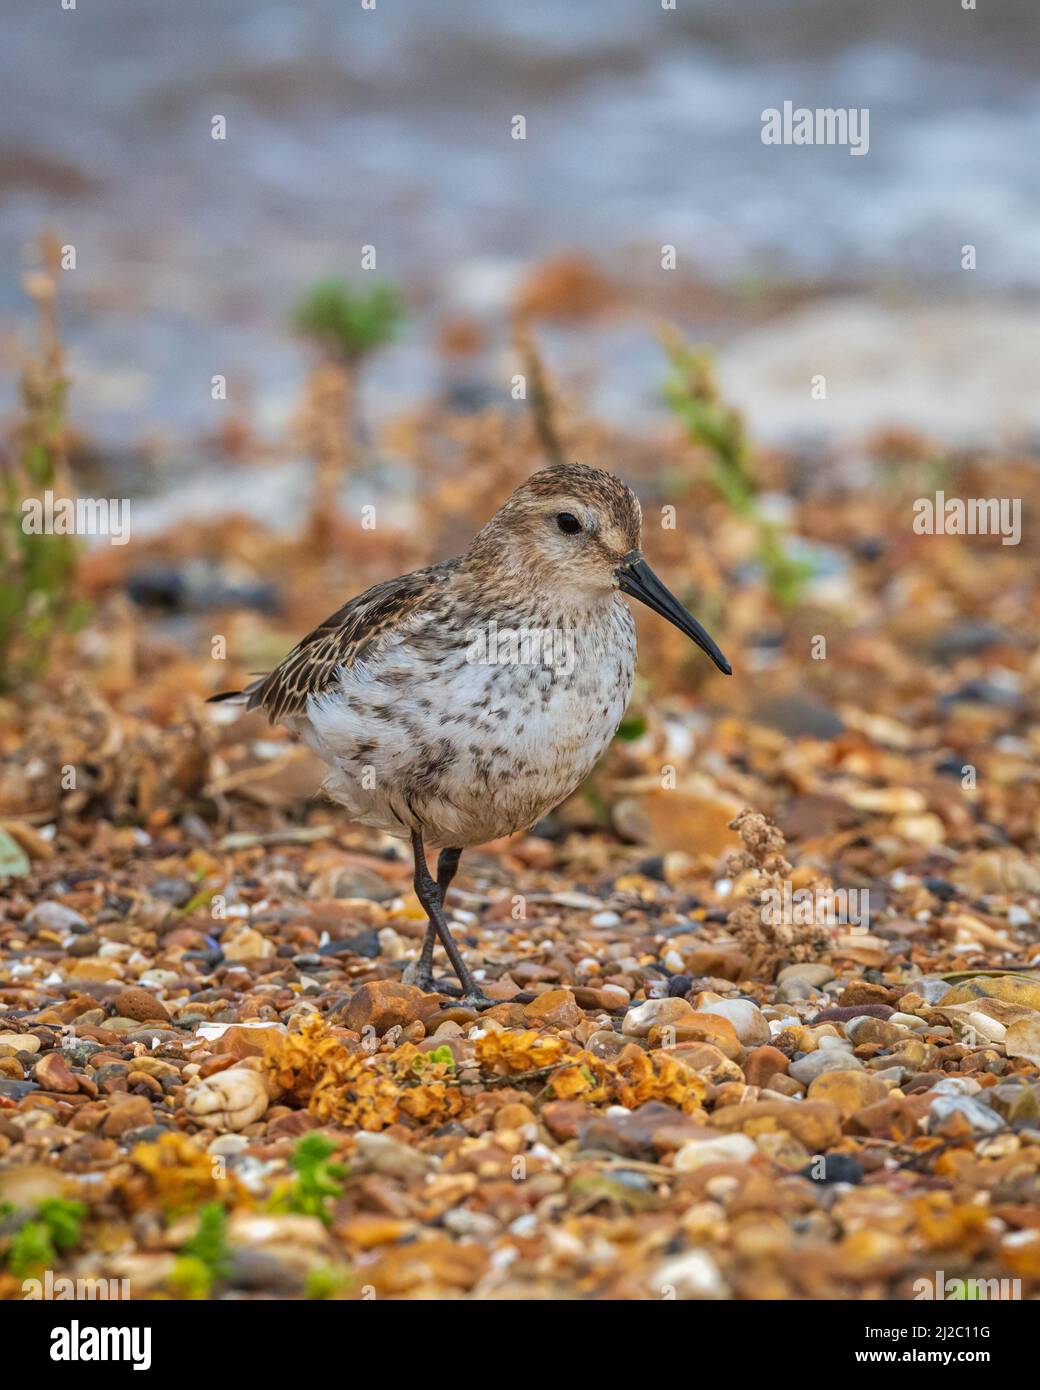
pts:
[464, 701]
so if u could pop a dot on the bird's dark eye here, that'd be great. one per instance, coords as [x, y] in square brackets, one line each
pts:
[568, 524]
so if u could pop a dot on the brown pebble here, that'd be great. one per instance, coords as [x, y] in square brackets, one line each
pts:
[136, 1003]
[126, 1112]
[762, 1063]
[53, 1074]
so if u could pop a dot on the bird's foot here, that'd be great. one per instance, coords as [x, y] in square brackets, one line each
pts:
[467, 998]
[420, 975]
[478, 1000]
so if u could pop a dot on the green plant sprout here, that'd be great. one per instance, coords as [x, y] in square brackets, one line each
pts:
[317, 1180]
[37, 571]
[326, 1281]
[55, 1227]
[205, 1258]
[692, 393]
[349, 324]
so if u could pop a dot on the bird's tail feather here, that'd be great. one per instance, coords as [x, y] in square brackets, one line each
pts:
[238, 697]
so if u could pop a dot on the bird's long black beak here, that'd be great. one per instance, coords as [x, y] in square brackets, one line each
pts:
[637, 579]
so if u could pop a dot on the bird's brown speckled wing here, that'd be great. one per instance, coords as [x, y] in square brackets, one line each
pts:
[351, 634]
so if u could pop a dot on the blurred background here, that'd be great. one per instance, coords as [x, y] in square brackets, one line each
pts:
[391, 127]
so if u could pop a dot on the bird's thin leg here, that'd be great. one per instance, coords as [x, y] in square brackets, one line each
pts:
[429, 895]
[420, 972]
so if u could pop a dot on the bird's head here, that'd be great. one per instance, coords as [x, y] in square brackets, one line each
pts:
[577, 530]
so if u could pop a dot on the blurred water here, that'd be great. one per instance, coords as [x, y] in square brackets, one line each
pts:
[391, 127]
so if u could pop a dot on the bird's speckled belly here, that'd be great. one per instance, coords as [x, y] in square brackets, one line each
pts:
[468, 750]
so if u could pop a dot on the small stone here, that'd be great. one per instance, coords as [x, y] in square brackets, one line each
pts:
[976, 1117]
[656, 1013]
[229, 1145]
[708, 1061]
[700, 1028]
[381, 1004]
[380, 1153]
[808, 971]
[230, 1100]
[910, 1021]
[1002, 871]
[956, 1086]
[724, 1148]
[247, 945]
[138, 1004]
[848, 1090]
[749, 1022]
[56, 917]
[126, 1113]
[816, 1123]
[719, 962]
[239, 1041]
[1022, 1039]
[844, 1013]
[79, 1050]
[828, 1168]
[564, 1118]
[806, 1069]
[865, 1029]
[691, 1275]
[633, 1134]
[762, 1064]
[1017, 1102]
[20, 1042]
[555, 1007]
[53, 1074]
[605, 919]
[176, 891]
[783, 1085]
[17, 1090]
[862, 992]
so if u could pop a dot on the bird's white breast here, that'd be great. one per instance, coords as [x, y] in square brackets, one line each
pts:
[473, 732]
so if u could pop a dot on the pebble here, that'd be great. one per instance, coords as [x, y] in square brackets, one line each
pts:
[980, 1117]
[865, 1029]
[228, 1145]
[79, 1050]
[656, 1013]
[907, 1021]
[809, 972]
[688, 1276]
[379, 1153]
[832, 1168]
[53, 1074]
[763, 1063]
[381, 1004]
[229, 1100]
[932, 991]
[175, 891]
[605, 919]
[849, 1090]
[956, 1086]
[52, 916]
[806, 1069]
[126, 1113]
[247, 946]
[138, 1004]
[555, 1007]
[727, 1148]
[751, 1025]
